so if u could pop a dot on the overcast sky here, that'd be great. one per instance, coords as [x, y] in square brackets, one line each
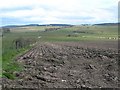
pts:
[16, 12]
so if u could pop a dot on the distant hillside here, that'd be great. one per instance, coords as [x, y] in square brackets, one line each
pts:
[61, 25]
[108, 24]
[100, 24]
[10, 26]
[13, 26]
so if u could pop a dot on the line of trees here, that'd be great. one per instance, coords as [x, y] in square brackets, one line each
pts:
[4, 30]
[51, 29]
[23, 42]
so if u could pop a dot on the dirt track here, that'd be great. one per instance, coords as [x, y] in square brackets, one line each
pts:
[68, 65]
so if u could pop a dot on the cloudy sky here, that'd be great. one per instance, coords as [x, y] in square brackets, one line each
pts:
[17, 12]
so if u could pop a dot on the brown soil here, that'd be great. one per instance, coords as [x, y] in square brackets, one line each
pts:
[68, 65]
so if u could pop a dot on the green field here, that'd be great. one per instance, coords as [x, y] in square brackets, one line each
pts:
[89, 33]
[9, 51]
[37, 34]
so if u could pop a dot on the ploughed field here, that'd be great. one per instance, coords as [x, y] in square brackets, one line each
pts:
[68, 65]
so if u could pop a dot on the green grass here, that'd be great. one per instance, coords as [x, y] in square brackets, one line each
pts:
[9, 52]
[92, 33]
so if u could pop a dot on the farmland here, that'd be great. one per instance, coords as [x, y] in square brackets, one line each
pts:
[68, 57]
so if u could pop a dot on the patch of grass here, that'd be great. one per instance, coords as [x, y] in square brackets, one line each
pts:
[9, 65]
[9, 52]
[9, 68]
